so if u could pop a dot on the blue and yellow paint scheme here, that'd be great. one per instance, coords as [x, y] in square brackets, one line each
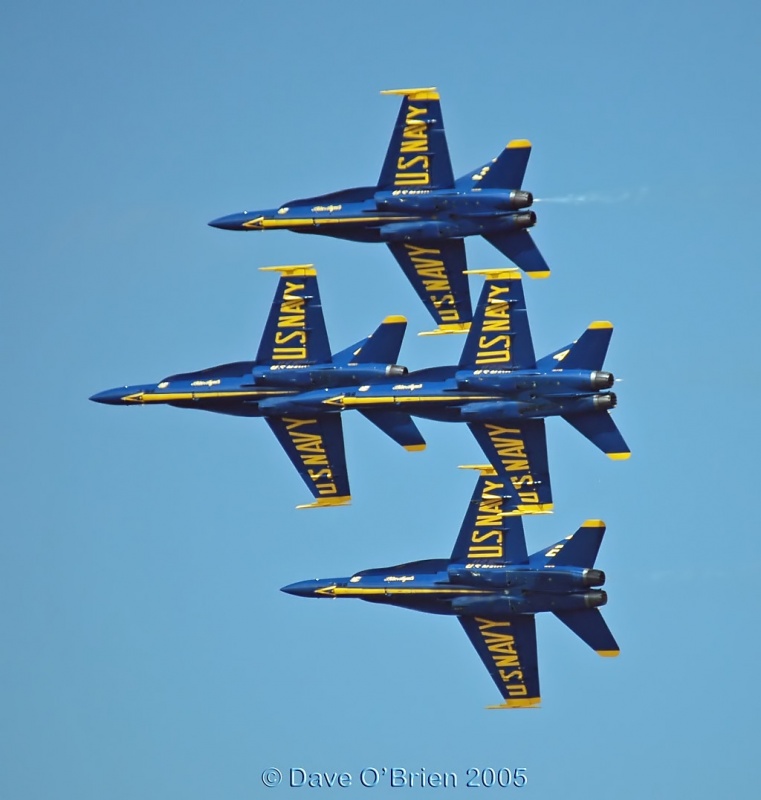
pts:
[495, 588]
[294, 362]
[422, 212]
[498, 388]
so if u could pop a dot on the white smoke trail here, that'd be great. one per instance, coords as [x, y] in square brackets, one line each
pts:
[606, 198]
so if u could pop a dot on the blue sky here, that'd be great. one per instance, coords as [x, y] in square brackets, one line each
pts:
[147, 652]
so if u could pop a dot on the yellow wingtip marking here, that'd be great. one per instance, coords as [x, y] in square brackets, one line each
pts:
[414, 448]
[593, 523]
[608, 653]
[618, 456]
[395, 319]
[539, 274]
[292, 269]
[327, 502]
[484, 469]
[517, 143]
[600, 324]
[450, 327]
[523, 702]
[497, 273]
[428, 93]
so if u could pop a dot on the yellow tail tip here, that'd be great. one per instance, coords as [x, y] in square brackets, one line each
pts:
[593, 523]
[600, 324]
[518, 143]
[414, 448]
[618, 456]
[539, 274]
[608, 653]
[395, 319]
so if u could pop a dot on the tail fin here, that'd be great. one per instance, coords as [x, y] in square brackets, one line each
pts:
[590, 627]
[506, 171]
[599, 428]
[577, 550]
[587, 352]
[417, 156]
[382, 346]
[399, 426]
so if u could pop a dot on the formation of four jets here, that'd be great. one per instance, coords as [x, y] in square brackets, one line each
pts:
[498, 387]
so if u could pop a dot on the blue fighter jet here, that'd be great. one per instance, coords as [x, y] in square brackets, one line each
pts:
[422, 212]
[495, 588]
[498, 388]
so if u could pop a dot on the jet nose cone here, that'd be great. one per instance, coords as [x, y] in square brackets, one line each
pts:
[232, 222]
[111, 397]
[301, 589]
[315, 588]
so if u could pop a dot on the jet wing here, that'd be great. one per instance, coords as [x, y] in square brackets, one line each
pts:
[508, 649]
[316, 447]
[519, 450]
[499, 337]
[436, 271]
[295, 331]
[417, 156]
[490, 532]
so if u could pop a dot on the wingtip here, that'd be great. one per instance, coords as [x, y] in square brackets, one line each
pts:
[427, 93]
[523, 702]
[497, 273]
[292, 269]
[328, 502]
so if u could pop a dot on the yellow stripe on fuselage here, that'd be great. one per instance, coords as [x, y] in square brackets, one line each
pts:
[351, 591]
[308, 222]
[348, 402]
[172, 397]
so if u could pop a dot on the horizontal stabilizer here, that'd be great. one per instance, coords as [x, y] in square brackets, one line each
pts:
[599, 428]
[577, 550]
[399, 426]
[383, 346]
[506, 171]
[520, 249]
[587, 352]
[590, 627]
[295, 332]
[489, 533]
